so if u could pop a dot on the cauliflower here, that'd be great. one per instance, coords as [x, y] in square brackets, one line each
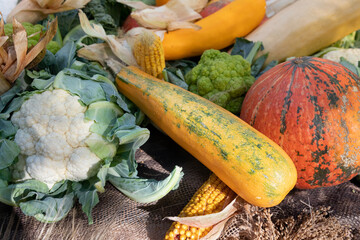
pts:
[33, 31]
[221, 78]
[352, 55]
[51, 136]
[79, 129]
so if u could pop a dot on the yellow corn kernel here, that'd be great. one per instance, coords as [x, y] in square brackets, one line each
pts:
[209, 198]
[149, 53]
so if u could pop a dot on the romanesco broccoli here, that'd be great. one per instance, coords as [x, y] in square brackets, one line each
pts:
[33, 33]
[221, 78]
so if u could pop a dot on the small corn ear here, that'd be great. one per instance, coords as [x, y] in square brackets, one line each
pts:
[149, 53]
[209, 198]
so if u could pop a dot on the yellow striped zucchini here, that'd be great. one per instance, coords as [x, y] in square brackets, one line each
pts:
[251, 164]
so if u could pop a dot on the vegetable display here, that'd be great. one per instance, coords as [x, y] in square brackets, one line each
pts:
[64, 138]
[218, 30]
[311, 109]
[322, 23]
[80, 81]
[252, 165]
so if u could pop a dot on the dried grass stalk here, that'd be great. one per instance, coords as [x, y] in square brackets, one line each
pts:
[257, 223]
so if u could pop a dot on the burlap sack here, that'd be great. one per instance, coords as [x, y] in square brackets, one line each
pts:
[117, 217]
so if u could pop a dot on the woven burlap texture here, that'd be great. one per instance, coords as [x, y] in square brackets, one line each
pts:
[117, 217]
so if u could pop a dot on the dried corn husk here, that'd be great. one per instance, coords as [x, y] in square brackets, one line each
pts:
[4, 84]
[216, 220]
[119, 47]
[35, 10]
[139, 47]
[98, 52]
[15, 55]
[175, 14]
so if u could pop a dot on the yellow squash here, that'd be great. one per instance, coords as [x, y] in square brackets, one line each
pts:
[218, 30]
[248, 162]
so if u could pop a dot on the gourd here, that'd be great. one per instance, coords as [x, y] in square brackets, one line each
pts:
[305, 27]
[218, 30]
[310, 107]
[249, 163]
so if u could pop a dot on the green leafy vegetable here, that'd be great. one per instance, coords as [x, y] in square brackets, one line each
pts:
[64, 58]
[48, 209]
[7, 129]
[9, 151]
[249, 50]
[88, 197]
[175, 72]
[67, 21]
[351, 66]
[109, 13]
[12, 194]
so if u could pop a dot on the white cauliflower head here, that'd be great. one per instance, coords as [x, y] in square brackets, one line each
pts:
[51, 136]
[350, 54]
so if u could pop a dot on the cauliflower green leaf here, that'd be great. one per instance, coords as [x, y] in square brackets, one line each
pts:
[147, 190]
[49, 209]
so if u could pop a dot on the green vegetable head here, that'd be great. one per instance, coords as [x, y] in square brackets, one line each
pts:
[222, 78]
[53, 47]
[33, 32]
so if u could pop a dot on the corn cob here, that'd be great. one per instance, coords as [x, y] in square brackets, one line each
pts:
[209, 198]
[149, 53]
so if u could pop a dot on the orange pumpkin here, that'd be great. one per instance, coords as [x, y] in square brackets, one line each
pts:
[311, 108]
